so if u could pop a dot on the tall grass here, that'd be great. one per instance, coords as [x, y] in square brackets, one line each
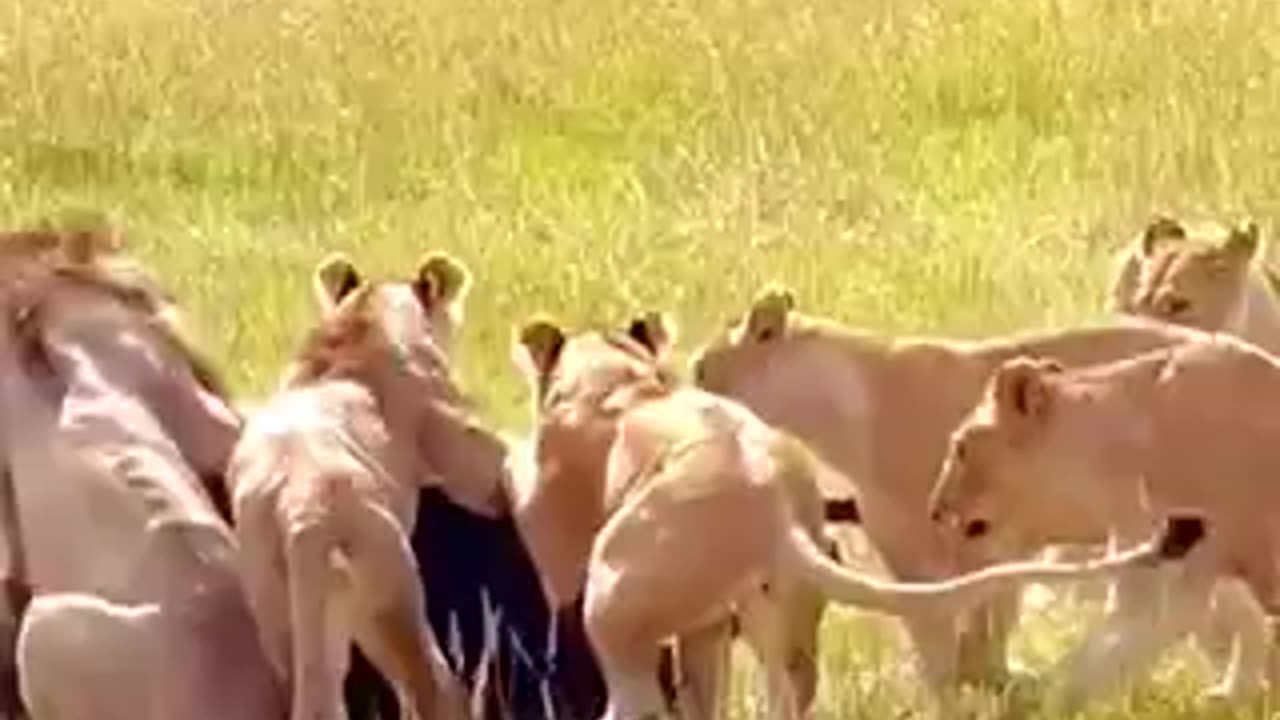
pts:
[944, 166]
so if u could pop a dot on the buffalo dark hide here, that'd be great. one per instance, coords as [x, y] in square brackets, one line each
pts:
[464, 557]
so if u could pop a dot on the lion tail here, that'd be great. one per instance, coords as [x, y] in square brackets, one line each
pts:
[964, 592]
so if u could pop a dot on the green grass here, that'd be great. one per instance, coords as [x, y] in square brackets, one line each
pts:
[954, 166]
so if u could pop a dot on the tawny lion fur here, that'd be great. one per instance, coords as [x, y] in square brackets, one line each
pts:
[109, 423]
[676, 508]
[1215, 279]
[325, 482]
[1206, 277]
[880, 410]
[1053, 455]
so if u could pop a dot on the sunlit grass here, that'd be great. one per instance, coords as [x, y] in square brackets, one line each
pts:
[956, 167]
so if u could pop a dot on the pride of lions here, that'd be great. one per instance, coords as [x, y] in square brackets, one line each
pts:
[169, 553]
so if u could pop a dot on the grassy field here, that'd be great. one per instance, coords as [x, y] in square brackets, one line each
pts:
[944, 166]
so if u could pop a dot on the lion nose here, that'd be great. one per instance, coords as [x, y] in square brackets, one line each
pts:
[937, 508]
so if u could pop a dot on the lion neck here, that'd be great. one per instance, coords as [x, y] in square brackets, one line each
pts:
[402, 386]
[385, 417]
[826, 384]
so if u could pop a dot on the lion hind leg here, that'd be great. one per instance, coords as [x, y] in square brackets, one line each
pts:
[629, 668]
[764, 627]
[70, 641]
[703, 658]
[317, 684]
[262, 571]
[627, 654]
[390, 618]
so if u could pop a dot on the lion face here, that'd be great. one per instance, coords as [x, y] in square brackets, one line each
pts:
[971, 483]
[1012, 462]
[743, 355]
[1196, 281]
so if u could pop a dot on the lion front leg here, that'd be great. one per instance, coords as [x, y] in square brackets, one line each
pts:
[1235, 638]
[935, 642]
[1155, 608]
[1258, 572]
[982, 654]
[1273, 654]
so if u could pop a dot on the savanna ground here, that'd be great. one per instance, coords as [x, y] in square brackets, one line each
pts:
[945, 166]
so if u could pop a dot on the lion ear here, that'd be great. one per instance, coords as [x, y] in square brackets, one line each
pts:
[334, 279]
[538, 345]
[654, 330]
[1022, 396]
[769, 312]
[1242, 242]
[441, 279]
[1161, 230]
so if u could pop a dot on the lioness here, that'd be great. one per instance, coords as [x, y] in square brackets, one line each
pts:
[1210, 278]
[1214, 279]
[325, 479]
[114, 430]
[1048, 454]
[881, 410]
[676, 507]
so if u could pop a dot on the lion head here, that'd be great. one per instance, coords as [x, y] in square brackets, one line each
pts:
[395, 337]
[1019, 469]
[735, 359]
[1196, 279]
[581, 382]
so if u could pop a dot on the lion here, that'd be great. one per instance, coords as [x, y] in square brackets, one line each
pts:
[1211, 278]
[119, 569]
[880, 410]
[1051, 454]
[325, 479]
[674, 509]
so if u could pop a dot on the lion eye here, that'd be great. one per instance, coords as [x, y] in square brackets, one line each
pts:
[1176, 305]
[961, 450]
